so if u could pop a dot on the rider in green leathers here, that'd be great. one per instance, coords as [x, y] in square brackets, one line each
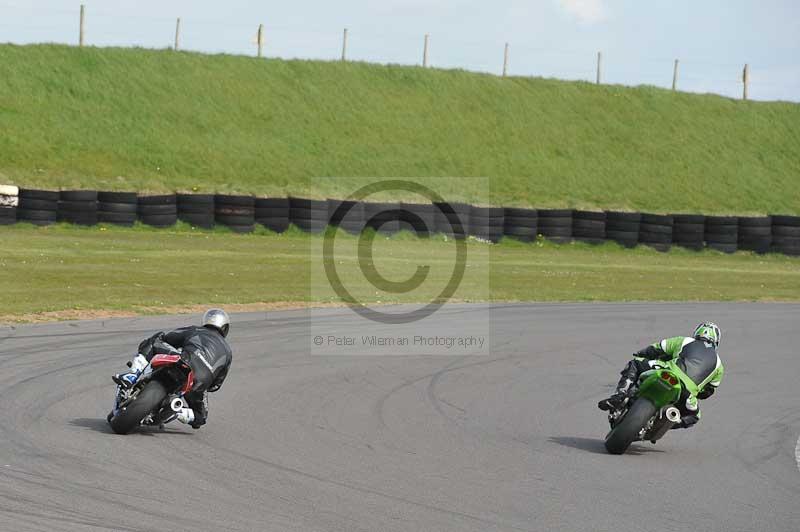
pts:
[696, 356]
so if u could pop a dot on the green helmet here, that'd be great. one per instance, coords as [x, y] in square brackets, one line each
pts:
[709, 332]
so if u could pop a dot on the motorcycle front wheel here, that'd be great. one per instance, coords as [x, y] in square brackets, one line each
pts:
[148, 400]
[627, 430]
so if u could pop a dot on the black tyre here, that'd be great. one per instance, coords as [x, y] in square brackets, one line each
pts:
[148, 400]
[47, 195]
[777, 219]
[36, 217]
[166, 199]
[118, 208]
[240, 201]
[615, 217]
[755, 231]
[511, 212]
[627, 430]
[78, 195]
[597, 216]
[194, 199]
[722, 220]
[657, 219]
[77, 206]
[689, 219]
[33, 214]
[151, 210]
[655, 228]
[754, 221]
[655, 238]
[555, 213]
[785, 230]
[117, 197]
[626, 227]
[38, 204]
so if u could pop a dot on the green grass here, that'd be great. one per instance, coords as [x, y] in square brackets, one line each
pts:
[142, 269]
[159, 121]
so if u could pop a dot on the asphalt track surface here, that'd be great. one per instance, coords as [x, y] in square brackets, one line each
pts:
[507, 441]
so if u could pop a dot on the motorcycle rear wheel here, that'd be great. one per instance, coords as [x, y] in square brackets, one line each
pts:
[148, 400]
[627, 430]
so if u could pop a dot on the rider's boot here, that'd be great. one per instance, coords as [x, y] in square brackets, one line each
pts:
[127, 380]
[197, 402]
[629, 375]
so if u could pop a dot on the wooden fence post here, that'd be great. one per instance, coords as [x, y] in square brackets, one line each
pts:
[260, 40]
[83, 26]
[505, 61]
[177, 34]
[599, 67]
[745, 81]
[675, 76]
[425, 52]
[344, 45]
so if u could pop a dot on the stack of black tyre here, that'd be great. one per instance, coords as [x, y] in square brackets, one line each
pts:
[196, 209]
[309, 215]
[722, 233]
[623, 227]
[272, 213]
[117, 208]
[755, 233]
[418, 218]
[158, 211]
[655, 230]
[78, 207]
[235, 212]
[589, 226]
[555, 224]
[786, 234]
[452, 219]
[486, 223]
[521, 224]
[38, 207]
[688, 231]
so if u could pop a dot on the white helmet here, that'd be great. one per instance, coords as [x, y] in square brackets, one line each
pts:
[709, 332]
[218, 319]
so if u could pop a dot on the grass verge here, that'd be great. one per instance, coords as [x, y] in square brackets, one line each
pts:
[143, 270]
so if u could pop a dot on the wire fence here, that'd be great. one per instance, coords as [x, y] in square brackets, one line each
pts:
[387, 45]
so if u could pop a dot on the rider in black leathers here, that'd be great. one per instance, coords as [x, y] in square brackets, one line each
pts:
[206, 350]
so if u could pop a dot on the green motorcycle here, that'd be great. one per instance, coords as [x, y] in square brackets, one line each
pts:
[650, 411]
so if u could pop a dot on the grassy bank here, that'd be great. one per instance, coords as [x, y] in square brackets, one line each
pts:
[146, 270]
[159, 121]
